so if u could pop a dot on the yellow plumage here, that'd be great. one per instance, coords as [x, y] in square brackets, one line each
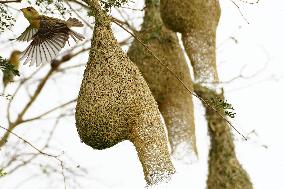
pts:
[8, 76]
[49, 35]
[32, 16]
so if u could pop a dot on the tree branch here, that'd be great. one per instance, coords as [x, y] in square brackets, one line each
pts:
[54, 67]
[49, 111]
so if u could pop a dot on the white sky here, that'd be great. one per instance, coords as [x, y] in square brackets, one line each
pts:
[258, 102]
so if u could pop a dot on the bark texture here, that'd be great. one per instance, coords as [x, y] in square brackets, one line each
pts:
[173, 100]
[115, 104]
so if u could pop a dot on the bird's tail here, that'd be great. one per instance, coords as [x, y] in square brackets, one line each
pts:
[76, 36]
[74, 22]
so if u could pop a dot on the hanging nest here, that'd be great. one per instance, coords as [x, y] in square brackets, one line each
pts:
[225, 171]
[197, 21]
[115, 104]
[175, 103]
[186, 15]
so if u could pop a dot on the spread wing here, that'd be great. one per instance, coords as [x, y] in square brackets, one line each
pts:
[28, 34]
[47, 42]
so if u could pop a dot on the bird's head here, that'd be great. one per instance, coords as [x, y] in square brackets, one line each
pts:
[16, 53]
[15, 56]
[30, 13]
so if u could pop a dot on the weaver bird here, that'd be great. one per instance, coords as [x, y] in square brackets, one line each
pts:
[8, 75]
[48, 36]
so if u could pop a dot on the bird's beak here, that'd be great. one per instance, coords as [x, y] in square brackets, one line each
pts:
[22, 9]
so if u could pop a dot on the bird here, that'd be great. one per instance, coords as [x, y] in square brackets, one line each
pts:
[48, 36]
[8, 75]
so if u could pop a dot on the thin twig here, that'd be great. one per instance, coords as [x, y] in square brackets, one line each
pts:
[240, 11]
[49, 111]
[130, 8]
[70, 67]
[125, 20]
[176, 76]
[13, 1]
[80, 3]
[39, 151]
[87, 23]
[241, 76]
[247, 2]
[34, 155]
[62, 172]
[30, 144]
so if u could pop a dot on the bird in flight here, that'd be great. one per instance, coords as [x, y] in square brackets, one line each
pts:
[48, 36]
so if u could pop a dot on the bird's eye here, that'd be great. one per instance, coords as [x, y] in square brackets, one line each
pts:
[29, 9]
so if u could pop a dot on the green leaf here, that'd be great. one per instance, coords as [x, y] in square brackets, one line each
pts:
[108, 4]
[2, 173]
[6, 67]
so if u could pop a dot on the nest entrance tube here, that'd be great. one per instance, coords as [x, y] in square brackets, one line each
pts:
[174, 102]
[115, 104]
[197, 21]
